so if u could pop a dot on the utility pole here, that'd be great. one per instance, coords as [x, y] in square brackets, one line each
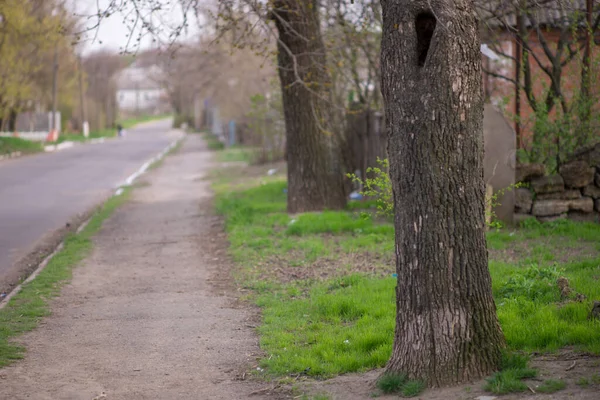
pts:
[84, 123]
[54, 86]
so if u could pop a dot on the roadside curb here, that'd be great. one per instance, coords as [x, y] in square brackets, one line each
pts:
[14, 154]
[96, 141]
[58, 147]
[129, 181]
[5, 300]
[47, 149]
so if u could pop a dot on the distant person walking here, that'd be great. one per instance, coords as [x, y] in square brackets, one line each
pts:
[120, 131]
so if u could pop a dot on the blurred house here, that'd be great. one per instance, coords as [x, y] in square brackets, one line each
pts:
[139, 91]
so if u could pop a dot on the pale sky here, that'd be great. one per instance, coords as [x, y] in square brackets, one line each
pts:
[113, 32]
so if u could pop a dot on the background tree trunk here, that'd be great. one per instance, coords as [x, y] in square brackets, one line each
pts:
[315, 171]
[447, 331]
[12, 120]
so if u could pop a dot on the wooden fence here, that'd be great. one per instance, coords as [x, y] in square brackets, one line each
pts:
[366, 137]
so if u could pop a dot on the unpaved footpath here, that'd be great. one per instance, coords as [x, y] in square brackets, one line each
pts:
[143, 317]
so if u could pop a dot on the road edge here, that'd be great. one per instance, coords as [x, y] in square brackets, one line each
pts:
[119, 191]
[53, 148]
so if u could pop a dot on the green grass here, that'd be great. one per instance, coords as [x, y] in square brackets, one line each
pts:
[213, 142]
[326, 313]
[530, 311]
[509, 381]
[557, 231]
[335, 222]
[583, 382]
[399, 383]
[75, 137]
[131, 122]
[513, 370]
[346, 325]
[551, 386]
[262, 233]
[413, 388]
[12, 144]
[25, 310]
[234, 154]
[336, 327]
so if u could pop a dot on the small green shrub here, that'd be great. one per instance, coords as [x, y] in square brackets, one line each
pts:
[378, 187]
[533, 283]
[583, 382]
[531, 223]
[413, 388]
[391, 383]
[181, 119]
[551, 386]
[327, 222]
[493, 202]
[235, 154]
[214, 144]
[509, 381]
[13, 144]
[399, 383]
[513, 369]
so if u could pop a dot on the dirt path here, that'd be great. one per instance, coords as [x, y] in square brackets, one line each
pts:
[146, 317]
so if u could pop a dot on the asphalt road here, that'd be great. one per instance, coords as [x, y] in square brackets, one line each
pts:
[40, 193]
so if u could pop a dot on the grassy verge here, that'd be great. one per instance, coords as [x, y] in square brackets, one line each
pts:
[12, 144]
[25, 310]
[75, 137]
[235, 154]
[325, 286]
[131, 122]
[213, 142]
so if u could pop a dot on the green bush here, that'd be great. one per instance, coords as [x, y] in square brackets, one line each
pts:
[180, 119]
[533, 283]
[513, 369]
[213, 142]
[13, 144]
[551, 386]
[391, 383]
[378, 187]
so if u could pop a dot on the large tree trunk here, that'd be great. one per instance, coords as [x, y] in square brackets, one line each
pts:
[12, 120]
[447, 331]
[315, 172]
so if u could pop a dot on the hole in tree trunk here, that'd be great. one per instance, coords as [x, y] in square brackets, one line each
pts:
[425, 25]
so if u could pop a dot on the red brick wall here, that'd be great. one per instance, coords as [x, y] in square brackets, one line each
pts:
[502, 92]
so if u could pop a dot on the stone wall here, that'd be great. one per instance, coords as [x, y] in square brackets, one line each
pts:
[574, 192]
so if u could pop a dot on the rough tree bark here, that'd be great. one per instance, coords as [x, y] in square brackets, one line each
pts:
[315, 173]
[447, 331]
